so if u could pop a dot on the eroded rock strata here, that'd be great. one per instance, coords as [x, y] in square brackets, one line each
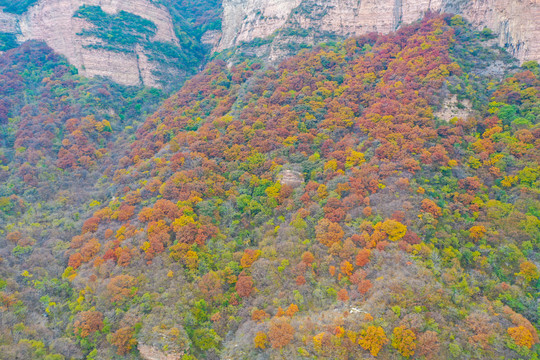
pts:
[515, 21]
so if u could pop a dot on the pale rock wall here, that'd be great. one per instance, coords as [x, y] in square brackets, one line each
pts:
[8, 23]
[516, 21]
[52, 21]
[211, 37]
[245, 20]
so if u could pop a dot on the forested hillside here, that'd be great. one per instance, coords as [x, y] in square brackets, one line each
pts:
[371, 198]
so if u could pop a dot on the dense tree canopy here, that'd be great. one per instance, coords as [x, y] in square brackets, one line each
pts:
[404, 232]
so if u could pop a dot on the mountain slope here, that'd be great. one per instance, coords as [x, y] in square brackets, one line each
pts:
[319, 208]
[50, 118]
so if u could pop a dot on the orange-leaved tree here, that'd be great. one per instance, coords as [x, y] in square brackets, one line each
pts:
[249, 257]
[477, 232]
[244, 285]
[88, 322]
[123, 340]
[121, 287]
[281, 332]
[362, 258]
[328, 233]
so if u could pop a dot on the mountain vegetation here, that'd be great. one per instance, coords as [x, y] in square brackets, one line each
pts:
[326, 207]
[7, 41]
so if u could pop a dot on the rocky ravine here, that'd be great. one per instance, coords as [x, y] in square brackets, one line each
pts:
[52, 21]
[515, 21]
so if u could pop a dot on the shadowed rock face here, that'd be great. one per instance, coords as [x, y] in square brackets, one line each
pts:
[53, 22]
[515, 21]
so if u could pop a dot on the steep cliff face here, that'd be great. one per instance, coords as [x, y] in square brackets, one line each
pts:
[245, 20]
[515, 21]
[284, 23]
[53, 21]
[8, 23]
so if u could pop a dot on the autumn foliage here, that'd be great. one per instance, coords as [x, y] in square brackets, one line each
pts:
[521, 336]
[404, 340]
[249, 257]
[329, 233]
[310, 204]
[123, 340]
[121, 287]
[281, 332]
[362, 258]
[260, 341]
[87, 323]
[373, 339]
[244, 285]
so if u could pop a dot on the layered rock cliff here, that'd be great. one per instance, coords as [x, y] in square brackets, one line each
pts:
[283, 23]
[515, 21]
[53, 21]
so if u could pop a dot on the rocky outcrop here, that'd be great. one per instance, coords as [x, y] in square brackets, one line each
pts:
[52, 21]
[211, 37]
[245, 20]
[291, 178]
[453, 108]
[516, 21]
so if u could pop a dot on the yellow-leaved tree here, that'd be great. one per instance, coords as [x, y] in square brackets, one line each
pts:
[394, 229]
[404, 341]
[521, 336]
[373, 339]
